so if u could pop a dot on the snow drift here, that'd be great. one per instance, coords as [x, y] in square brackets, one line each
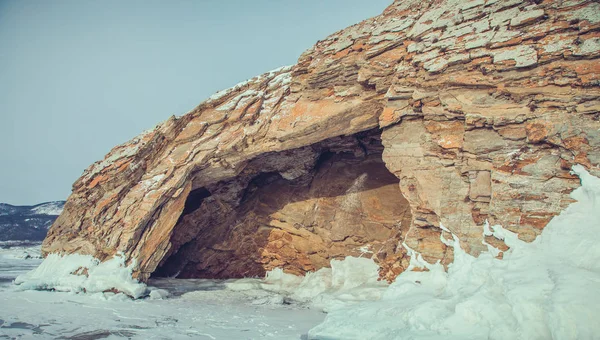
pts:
[548, 289]
[82, 273]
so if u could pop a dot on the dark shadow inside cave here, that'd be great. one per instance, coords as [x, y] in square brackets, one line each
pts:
[194, 200]
[295, 209]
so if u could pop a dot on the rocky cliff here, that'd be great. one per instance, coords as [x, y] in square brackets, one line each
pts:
[433, 113]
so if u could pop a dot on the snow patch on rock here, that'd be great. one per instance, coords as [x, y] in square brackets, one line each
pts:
[238, 86]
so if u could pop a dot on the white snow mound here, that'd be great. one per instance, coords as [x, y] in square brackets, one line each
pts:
[547, 289]
[82, 273]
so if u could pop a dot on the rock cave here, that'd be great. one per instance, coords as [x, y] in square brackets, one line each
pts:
[294, 210]
[480, 111]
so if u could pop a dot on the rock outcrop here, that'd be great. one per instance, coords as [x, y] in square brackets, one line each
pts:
[434, 113]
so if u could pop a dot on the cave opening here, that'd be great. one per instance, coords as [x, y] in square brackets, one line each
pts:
[194, 200]
[295, 210]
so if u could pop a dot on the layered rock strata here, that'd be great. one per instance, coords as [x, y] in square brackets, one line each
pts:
[480, 107]
[295, 210]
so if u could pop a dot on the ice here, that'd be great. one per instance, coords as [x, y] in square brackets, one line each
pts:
[173, 309]
[548, 289]
[347, 282]
[205, 315]
[20, 250]
[158, 294]
[17, 257]
[78, 273]
[82, 273]
[277, 280]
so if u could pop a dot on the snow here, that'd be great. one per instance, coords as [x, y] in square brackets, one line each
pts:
[6, 209]
[82, 273]
[235, 87]
[51, 208]
[17, 257]
[153, 181]
[286, 68]
[48, 208]
[15, 250]
[282, 79]
[173, 309]
[196, 315]
[548, 289]
[235, 102]
[158, 294]
[347, 282]
[238, 86]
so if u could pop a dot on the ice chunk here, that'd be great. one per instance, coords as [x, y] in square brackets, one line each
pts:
[82, 273]
[347, 281]
[158, 294]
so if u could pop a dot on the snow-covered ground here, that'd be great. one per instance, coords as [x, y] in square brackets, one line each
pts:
[197, 309]
[280, 306]
[548, 289]
[16, 258]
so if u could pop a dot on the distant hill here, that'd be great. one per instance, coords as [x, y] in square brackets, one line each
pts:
[28, 222]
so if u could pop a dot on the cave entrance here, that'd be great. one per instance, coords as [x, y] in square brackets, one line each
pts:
[295, 210]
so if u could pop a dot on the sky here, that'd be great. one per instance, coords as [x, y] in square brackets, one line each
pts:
[78, 77]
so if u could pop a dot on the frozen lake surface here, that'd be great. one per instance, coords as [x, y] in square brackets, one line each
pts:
[198, 309]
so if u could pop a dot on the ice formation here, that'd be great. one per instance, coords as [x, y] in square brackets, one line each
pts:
[82, 273]
[347, 281]
[548, 289]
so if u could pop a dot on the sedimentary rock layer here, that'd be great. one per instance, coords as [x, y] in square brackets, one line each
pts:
[295, 210]
[482, 107]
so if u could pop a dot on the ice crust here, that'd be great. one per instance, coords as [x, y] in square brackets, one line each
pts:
[82, 273]
[347, 282]
[547, 289]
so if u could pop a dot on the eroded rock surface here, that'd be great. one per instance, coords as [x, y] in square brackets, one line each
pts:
[294, 210]
[483, 107]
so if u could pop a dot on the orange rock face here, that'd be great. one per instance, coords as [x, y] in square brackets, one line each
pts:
[435, 112]
[294, 210]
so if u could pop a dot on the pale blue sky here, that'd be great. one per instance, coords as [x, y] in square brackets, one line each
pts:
[79, 77]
